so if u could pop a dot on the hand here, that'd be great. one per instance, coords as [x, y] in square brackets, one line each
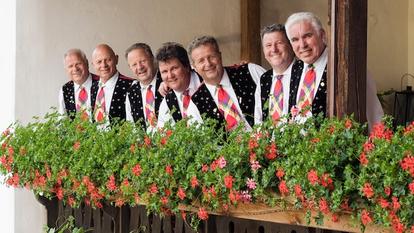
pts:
[163, 89]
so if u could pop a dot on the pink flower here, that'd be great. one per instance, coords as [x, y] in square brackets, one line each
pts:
[251, 184]
[313, 177]
[255, 165]
[221, 162]
[246, 197]
[383, 203]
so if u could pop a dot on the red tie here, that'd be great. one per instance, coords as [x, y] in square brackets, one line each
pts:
[228, 108]
[276, 103]
[149, 107]
[100, 105]
[186, 102]
[83, 96]
[308, 89]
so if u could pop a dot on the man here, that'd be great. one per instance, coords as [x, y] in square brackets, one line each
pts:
[276, 91]
[142, 104]
[229, 94]
[110, 95]
[308, 40]
[176, 73]
[75, 95]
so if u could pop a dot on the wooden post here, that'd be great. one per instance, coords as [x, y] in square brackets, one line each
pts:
[348, 58]
[250, 31]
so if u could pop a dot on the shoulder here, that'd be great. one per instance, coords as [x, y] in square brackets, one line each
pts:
[67, 85]
[125, 78]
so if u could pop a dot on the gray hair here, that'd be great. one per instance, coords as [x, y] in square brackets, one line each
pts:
[273, 28]
[143, 46]
[75, 51]
[303, 16]
[203, 40]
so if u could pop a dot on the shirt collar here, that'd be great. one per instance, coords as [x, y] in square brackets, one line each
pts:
[85, 84]
[111, 82]
[286, 72]
[153, 83]
[321, 61]
[224, 82]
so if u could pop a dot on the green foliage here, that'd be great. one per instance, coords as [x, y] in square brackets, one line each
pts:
[319, 165]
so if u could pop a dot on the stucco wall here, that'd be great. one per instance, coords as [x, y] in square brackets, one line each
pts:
[47, 28]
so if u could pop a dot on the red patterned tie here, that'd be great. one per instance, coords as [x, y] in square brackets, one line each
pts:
[82, 97]
[276, 100]
[186, 102]
[149, 107]
[81, 106]
[100, 105]
[308, 89]
[228, 109]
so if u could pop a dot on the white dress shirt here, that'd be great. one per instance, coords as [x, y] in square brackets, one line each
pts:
[164, 114]
[76, 89]
[144, 89]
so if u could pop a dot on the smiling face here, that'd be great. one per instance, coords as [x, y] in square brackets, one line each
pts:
[277, 50]
[207, 62]
[175, 75]
[307, 43]
[104, 62]
[76, 68]
[142, 65]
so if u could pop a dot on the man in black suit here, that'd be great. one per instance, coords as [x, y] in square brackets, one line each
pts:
[75, 95]
[308, 40]
[277, 94]
[110, 94]
[228, 94]
[142, 64]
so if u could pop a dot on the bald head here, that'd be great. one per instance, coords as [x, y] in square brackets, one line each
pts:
[104, 61]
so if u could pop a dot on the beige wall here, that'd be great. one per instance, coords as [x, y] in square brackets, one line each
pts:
[387, 42]
[410, 42]
[47, 28]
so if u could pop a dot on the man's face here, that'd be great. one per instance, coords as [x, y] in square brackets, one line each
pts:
[104, 62]
[76, 68]
[308, 43]
[175, 75]
[277, 50]
[141, 65]
[207, 62]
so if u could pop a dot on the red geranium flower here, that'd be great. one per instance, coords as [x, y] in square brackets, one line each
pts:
[283, 189]
[111, 185]
[181, 193]
[280, 173]
[136, 170]
[323, 206]
[363, 159]
[313, 177]
[194, 182]
[228, 181]
[202, 214]
[348, 123]
[368, 190]
[365, 217]
[169, 170]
